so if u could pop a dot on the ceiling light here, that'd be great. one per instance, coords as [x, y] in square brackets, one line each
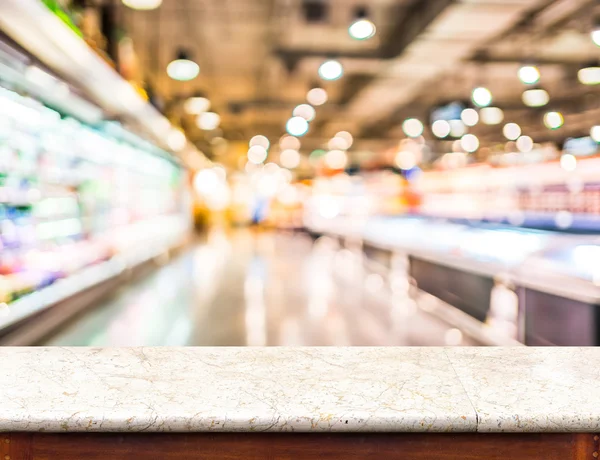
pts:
[529, 74]
[336, 159]
[568, 162]
[405, 160]
[535, 97]
[481, 97]
[297, 126]
[289, 142]
[491, 115]
[412, 127]
[511, 131]
[469, 117]
[346, 136]
[362, 29]
[331, 70]
[553, 120]
[183, 68]
[142, 4]
[208, 121]
[525, 144]
[289, 158]
[440, 128]
[595, 133]
[595, 34]
[305, 111]
[317, 96]
[257, 154]
[176, 139]
[260, 140]
[589, 74]
[458, 128]
[469, 143]
[196, 105]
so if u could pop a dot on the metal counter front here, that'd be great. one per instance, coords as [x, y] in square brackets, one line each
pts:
[553, 276]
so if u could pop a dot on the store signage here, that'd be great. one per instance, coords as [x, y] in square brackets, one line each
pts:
[447, 112]
[580, 146]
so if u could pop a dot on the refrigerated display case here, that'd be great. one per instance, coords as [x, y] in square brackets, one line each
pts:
[78, 205]
[84, 202]
[541, 287]
[457, 263]
[70, 195]
[559, 295]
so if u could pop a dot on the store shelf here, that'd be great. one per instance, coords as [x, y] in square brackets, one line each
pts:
[34, 27]
[34, 303]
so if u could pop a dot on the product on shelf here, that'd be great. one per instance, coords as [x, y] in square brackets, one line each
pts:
[543, 194]
[72, 196]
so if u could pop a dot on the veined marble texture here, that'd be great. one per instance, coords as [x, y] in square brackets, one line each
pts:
[300, 389]
[531, 389]
[231, 389]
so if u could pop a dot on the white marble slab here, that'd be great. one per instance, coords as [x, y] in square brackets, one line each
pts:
[531, 389]
[231, 389]
[300, 389]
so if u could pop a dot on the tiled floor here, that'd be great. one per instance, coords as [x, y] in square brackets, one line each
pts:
[257, 288]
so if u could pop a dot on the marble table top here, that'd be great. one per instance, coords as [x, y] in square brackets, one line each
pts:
[300, 389]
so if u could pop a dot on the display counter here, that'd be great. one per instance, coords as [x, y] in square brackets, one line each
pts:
[559, 295]
[544, 287]
[235, 402]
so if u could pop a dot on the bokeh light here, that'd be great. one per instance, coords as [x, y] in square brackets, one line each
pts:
[331, 70]
[525, 144]
[289, 158]
[257, 154]
[469, 117]
[511, 131]
[440, 128]
[529, 74]
[553, 120]
[362, 29]
[412, 127]
[336, 159]
[317, 96]
[469, 143]
[481, 97]
[260, 140]
[297, 126]
[305, 111]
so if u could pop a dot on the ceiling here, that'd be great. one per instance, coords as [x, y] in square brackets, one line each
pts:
[258, 59]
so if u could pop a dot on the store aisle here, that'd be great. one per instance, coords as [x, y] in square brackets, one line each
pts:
[258, 288]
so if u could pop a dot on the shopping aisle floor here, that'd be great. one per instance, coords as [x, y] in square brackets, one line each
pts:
[244, 287]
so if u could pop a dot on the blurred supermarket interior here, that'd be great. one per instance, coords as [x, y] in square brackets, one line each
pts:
[299, 172]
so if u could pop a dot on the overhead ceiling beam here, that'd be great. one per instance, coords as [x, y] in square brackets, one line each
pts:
[535, 21]
[296, 54]
[411, 23]
[483, 58]
[413, 108]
